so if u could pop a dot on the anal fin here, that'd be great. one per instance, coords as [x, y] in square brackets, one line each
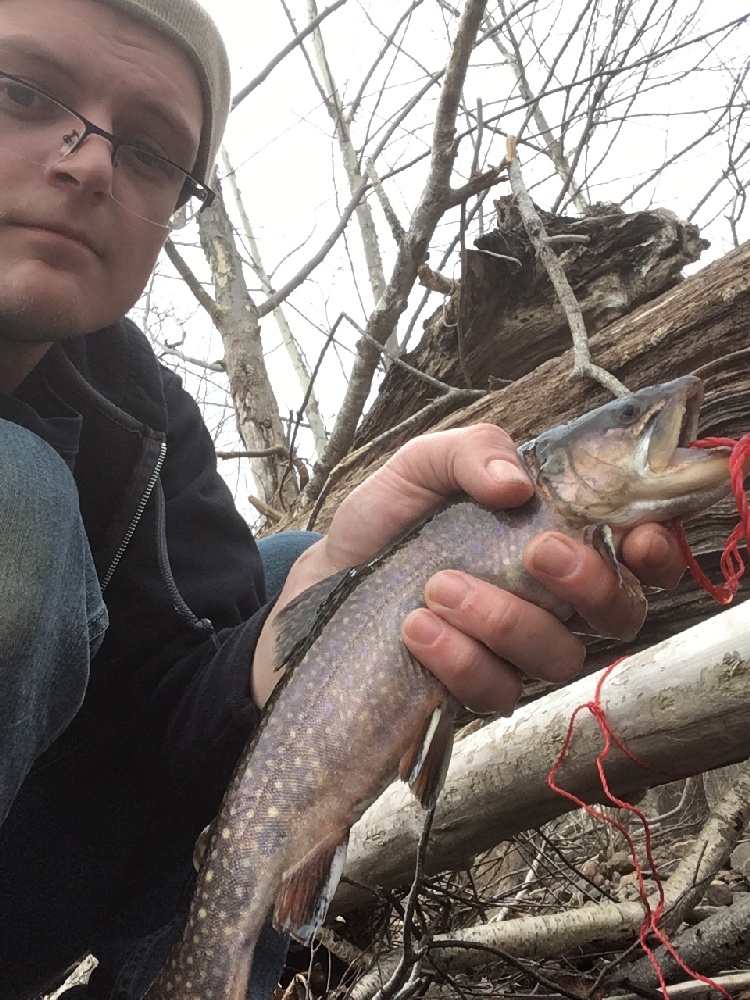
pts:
[304, 898]
[425, 764]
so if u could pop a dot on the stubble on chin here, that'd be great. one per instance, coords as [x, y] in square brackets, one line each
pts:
[24, 320]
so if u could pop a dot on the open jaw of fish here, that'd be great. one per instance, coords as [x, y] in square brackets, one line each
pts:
[354, 709]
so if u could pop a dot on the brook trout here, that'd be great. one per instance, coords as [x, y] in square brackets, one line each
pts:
[354, 709]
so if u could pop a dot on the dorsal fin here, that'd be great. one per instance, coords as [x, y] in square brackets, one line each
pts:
[295, 622]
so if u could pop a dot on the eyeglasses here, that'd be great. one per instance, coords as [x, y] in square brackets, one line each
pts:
[34, 125]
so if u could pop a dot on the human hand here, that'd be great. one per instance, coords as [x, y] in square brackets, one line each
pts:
[476, 638]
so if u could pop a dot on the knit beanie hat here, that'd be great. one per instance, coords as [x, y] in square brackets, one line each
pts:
[188, 25]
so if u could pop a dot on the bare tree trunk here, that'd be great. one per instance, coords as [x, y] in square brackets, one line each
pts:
[236, 318]
[352, 164]
[312, 410]
[434, 200]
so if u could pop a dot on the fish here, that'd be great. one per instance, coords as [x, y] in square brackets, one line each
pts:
[354, 709]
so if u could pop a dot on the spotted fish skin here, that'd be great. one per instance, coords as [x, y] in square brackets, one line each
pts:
[354, 709]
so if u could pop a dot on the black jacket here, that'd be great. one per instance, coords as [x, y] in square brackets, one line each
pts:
[167, 711]
[179, 569]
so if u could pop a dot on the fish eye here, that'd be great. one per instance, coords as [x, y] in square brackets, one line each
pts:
[629, 412]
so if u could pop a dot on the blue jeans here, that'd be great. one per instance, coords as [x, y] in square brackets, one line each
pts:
[52, 616]
[52, 620]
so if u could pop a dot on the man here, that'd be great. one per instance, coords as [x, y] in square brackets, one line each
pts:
[116, 743]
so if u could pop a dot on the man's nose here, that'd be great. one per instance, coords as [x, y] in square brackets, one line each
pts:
[88, 166]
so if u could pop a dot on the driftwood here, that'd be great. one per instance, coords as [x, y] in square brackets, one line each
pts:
[506, 314]
[550, 935]
[702, 325]
[717, 943]
[691, 692]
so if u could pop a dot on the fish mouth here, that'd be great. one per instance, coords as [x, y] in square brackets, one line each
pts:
[671, 427]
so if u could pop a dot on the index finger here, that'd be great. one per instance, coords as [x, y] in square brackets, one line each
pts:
[481, 461]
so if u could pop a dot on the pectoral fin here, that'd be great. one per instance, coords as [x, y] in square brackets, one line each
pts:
[425, 764]
[306, 894]
[600, 538]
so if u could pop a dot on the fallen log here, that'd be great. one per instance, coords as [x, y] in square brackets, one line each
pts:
[681, 707]
[504, 318]
[702, 325]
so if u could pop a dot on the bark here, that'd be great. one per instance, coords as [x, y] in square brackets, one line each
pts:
[312, 409]
[700, 325]
[691, 692]
[508, 315]
[236, 318]
[717, 943]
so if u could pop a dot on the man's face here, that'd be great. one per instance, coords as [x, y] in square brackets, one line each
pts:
[72, 259]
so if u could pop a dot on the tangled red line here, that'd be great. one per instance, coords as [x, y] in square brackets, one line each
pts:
[732, 568]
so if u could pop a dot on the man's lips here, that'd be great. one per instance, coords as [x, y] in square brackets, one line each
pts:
[66, 232]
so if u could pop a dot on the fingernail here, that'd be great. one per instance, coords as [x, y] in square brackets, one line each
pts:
[422, 628]
[506, 472]
[555, 557]
[448, 591]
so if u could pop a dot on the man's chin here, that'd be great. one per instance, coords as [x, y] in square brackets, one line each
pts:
[40, 322]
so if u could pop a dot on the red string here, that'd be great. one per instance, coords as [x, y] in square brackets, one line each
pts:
[731, 563]
[732, 567]
[652, 916]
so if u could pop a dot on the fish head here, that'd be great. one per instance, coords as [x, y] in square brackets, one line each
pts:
[629, 461]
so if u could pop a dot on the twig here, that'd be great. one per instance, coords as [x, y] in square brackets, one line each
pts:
[297, 40]
[204, 299]
[460, 339]
[475, 185]
[209, 366]
[563, 239]
[265, 510]
[434, 281]
[265, 453]
[404, 979]
[514, 263]
[416, 372]
[734, 982]
[343, 950]
[478, 137]
[398, 231]
[534, 226]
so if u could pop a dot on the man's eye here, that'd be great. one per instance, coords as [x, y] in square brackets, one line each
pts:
[146, 161]
[146, 156]
[23, 97]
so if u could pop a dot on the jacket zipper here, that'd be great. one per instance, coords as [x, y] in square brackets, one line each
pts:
[137, 516]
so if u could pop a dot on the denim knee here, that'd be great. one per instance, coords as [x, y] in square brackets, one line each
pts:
[52, 615]
[278, 552]
[39, 516]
